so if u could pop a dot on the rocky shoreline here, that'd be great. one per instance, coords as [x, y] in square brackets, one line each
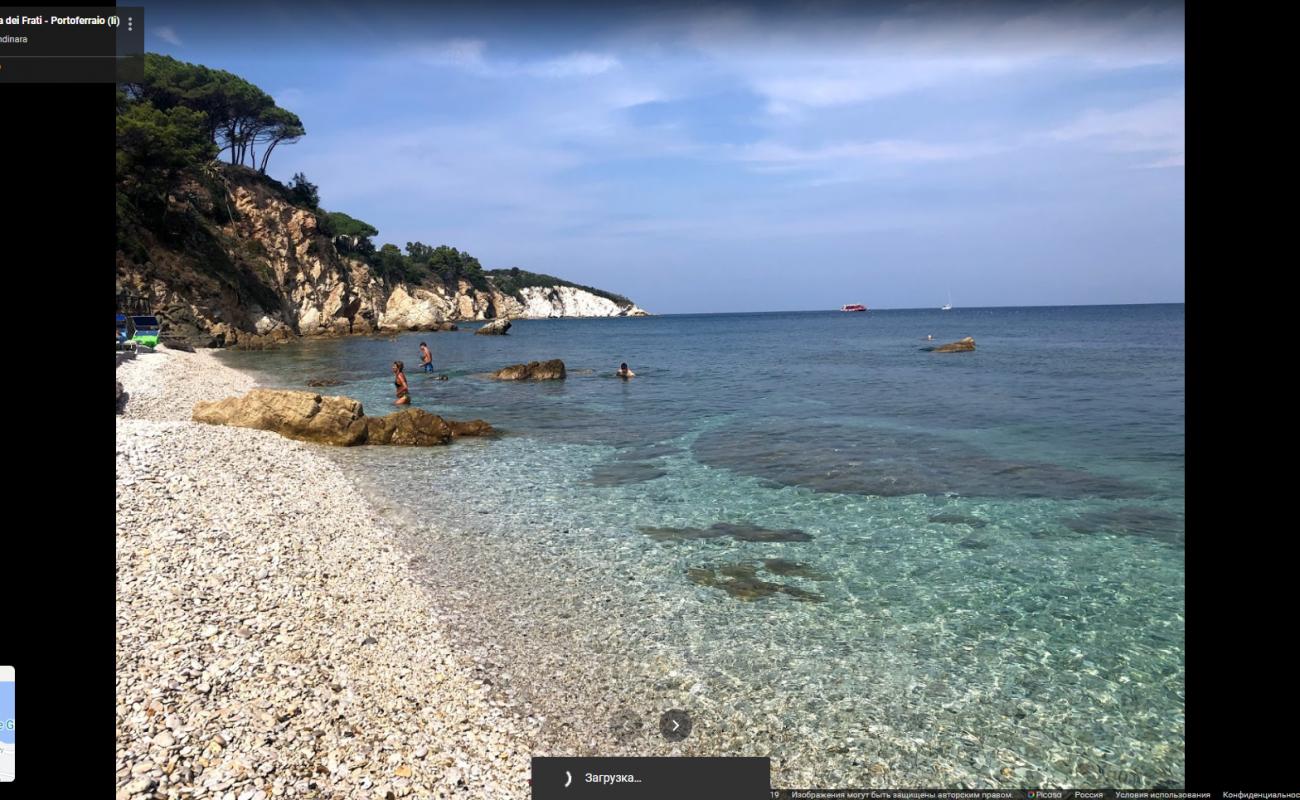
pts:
[272, 638]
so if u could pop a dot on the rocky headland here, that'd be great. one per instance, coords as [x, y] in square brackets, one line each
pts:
[245, 265]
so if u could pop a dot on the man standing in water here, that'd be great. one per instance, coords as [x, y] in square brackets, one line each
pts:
[426, 358]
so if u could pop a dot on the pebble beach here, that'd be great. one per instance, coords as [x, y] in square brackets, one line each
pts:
[271, 639]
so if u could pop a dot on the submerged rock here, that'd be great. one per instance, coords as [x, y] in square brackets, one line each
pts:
[496, 327]
[746, 532]
[644, 451]
[552, 370]
[971, 543]
[339, 421]
[622, 473]
[1132, 521]
[833, 457]
[793, 569]
[324, 382]
[680, 534]
[958, 519]
[743, 532]
[741, 581]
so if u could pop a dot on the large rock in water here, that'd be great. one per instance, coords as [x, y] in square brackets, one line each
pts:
[552, 370]
[415, 426]
[495, 327]
[959, 346]
[311, 417]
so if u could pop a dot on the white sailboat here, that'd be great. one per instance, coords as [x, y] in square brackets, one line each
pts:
[948, 305]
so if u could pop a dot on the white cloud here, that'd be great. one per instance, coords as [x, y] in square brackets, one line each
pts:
[574, 65]
[1158, 126]
[1172, 161]
[167, 34]
[827, 61]
[462, 53]
[774, 155]
[470, 55]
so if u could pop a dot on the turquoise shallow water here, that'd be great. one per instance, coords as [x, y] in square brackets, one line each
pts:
[986, 572]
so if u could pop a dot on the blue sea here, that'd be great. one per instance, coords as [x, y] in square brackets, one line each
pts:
[880, 566]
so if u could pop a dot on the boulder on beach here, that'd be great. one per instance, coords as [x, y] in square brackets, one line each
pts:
[552, 370]
[497, 327]
[958, 346]
[121, 397]
[175, 343]
[306, 416]
[340, 421]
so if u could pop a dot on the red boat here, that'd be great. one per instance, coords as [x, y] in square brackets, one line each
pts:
[853, 307]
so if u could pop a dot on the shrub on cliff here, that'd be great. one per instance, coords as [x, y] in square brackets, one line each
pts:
[303, 192]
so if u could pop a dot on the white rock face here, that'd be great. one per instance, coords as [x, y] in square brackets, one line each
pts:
[265, 324]
[406, 311]
[547, 302]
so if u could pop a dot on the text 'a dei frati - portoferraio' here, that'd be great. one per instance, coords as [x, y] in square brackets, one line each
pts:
[72, 45]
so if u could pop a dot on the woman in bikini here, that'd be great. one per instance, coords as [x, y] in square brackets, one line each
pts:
[399, 380]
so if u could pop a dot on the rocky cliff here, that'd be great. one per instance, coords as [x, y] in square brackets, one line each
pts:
[235, 263]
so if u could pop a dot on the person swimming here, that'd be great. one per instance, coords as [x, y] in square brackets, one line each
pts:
[399, 380]
[426, 357]
[624, 372]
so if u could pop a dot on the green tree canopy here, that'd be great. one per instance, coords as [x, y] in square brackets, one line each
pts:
[448, 263]
[239, 117]
[351, 235]
[154, 147]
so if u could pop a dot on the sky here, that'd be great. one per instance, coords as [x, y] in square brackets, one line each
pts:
[713, 158]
